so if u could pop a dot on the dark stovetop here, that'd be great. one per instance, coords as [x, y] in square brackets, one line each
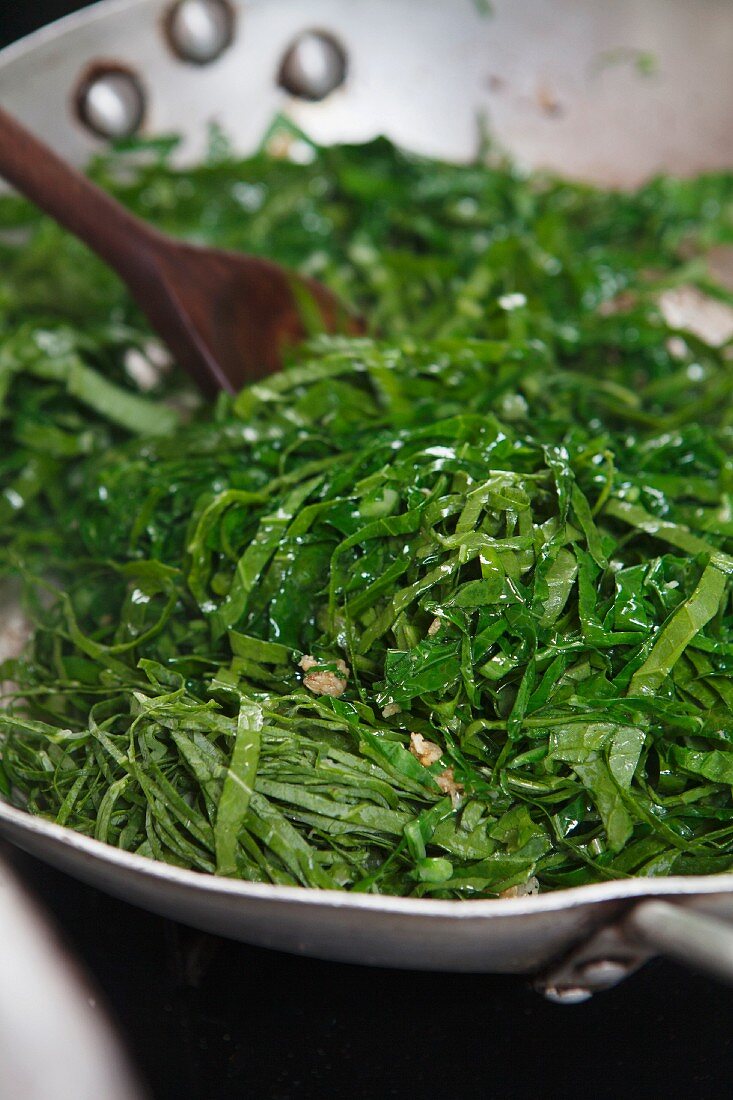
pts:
[206, 1019]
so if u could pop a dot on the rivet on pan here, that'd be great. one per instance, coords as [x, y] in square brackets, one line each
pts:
[199, 30]
[110, 101]
[567, 995]
[604, 973]
[313, 66]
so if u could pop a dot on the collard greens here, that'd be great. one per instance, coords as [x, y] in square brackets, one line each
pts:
[508, 510]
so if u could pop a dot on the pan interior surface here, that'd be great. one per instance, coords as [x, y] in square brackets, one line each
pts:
[609, 93]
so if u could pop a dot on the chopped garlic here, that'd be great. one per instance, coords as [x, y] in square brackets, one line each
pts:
[427, 752]
[434, 628]
[448, 785]
[523, 890]
[390, 709]
[144, 374]
[323, 682]
[620, 303]
[686, 307]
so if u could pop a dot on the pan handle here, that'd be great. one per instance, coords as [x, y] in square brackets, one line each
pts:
[684, 934]
[652, 927]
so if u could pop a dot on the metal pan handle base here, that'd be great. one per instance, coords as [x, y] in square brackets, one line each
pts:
[652, 927]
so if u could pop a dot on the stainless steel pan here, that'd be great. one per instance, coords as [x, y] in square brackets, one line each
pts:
[608, 92]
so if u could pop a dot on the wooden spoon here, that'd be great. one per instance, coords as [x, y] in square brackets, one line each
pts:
[226, 317]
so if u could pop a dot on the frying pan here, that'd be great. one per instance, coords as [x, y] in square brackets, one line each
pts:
[611, 93]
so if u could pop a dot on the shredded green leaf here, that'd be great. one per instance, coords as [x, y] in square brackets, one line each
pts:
[438, 610]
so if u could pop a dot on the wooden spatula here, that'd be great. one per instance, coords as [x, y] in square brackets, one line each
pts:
[226, 317]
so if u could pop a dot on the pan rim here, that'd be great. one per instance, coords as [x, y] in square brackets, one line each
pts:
[569, 898]
[92, 13]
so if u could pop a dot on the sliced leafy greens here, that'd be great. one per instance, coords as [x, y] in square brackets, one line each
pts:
[507, 511]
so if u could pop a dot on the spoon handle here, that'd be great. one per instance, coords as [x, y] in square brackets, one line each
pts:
[116, 236]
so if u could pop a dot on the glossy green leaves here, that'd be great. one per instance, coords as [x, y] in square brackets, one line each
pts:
[498, 526]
